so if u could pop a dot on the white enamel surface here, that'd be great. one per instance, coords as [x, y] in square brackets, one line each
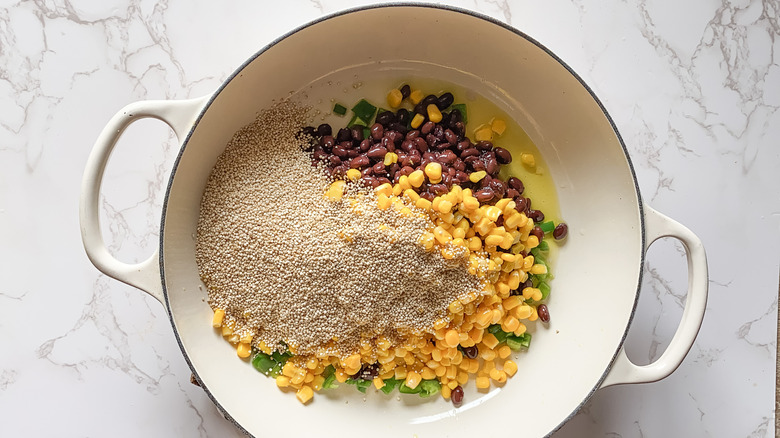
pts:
[692, 89]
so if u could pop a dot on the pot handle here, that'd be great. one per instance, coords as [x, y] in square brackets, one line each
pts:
[623, 370]
[180, 116]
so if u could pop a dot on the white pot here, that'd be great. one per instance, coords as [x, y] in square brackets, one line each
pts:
[598, 273]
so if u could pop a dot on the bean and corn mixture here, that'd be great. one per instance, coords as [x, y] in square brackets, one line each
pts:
[391, 254]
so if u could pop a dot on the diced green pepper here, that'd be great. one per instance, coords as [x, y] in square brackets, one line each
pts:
[517, 343]
[545, 289]
[281, 358]
[263, 363]
[462, 108]
[403, 389]
[543, 246]
[429, 387]
[339, 109]
[356, 121]
[390, 385]
[330, 382]
[497, 332]
[547, 227]
[364, 111]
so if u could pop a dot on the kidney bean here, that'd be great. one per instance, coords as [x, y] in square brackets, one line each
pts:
[365, 145]
[377, 131]
[512, 193]
[385, 118]
[503, 156]
[427, 195]
[470, 352]
[429, 156]
[438, 189]
[536, 231]
[446, 179]
[395, 136]
[498, 186]
[459, 165]
[484, 195]
[470, 152]
[334, 160]
[356, 133]
[484, 145]
[352, 153]
[411, 135]
[319, 153]
[324, 130]
[444, 101]
[462, 177]
[388, 144]
[368, 171]
[491, 166]
[398, 127]
[359, 161]
[438, 132]
[536, 215]
[402, 116]
[377, 152]
[560, 231]
[427, 127]
[367, 179]
[421, 144]
[344, 135]
[544, 312]
[447, 157]
[379, 168]
[450, 137]
[457, 396]
[383, 180]
[520, 204]
[432, 140]
[327, 142]
[459, 128]
[407, 146]
[516, 184]
[406, 170]
[476, 164]
[462, 146]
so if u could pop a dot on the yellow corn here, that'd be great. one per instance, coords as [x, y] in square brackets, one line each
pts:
[416, 96]
[451, 338]
[394, 98]
[304, 394]
[483, 133]
[423, 203]
[441, 235]
[504, 351]
[498, 375]
[470, 203]
[510, 367]
[455, 307]
[489, 340]
[446, 392]
[243, 350]
[390, 158]
[498, 126]
[336, 190]
[383, 201]
[433, 172]
[416, 178]
[477, 176]
[417, 120]
[227, 331]
[509, 324]
[483, 382]
[352, 361]
[494, 240]
[532, 242]
[219, 316]
[282, 381]
[412, 380]
[434, 115]
[353, 174]
[445, 206]
[528, 160]
[384, 189]
[523, 312]
[538, 269]
[412, 195]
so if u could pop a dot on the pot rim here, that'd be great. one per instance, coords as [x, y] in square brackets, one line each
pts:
[449, 8]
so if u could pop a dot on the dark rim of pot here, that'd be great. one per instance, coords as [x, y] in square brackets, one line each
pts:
[413, 5]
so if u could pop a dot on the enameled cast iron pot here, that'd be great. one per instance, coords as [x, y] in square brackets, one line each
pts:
[582, 349]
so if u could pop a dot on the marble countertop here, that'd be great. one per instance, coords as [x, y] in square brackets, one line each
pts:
[694, 88]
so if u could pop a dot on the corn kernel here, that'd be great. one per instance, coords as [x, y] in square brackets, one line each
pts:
[353, 174]
[446, 392]
[282, 381]
[378, 383]
[470, 203]
[433, 172]
[336, 190]
[427, 374]
[317, 382]
[498, 375]
[483, 133]
[417, 121]
[434, 115]
[498, 126]
[416, 96]
[304, 394]
[385, 189]
[219, 316]
[538, 269]
[493, 240]
[423, 203]
[483, 382]
[510, 367]
[394, 98]
[243, 350]
[504, 351]
[352, 361]
[390, 158]
[510, 324]
[412, 195]
[523, 312]
[511, 302]
[455, 307]
[489, 340]
[412, 380]
[451, 338]
[532, 242]
[383, 201]
[227, 331]
[528, 160]
[441, 235]
[445, 207]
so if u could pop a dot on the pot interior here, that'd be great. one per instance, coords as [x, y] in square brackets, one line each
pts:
[596, 189]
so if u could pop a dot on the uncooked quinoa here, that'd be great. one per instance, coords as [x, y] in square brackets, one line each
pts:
[289, 265]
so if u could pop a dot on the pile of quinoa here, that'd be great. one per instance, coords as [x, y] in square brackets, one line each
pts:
[289, 265]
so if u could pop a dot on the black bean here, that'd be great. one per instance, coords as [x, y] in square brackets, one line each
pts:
[395, 126]
[484, 145]
[324, 130]
[491, 166]
[420, 109]
[377, 131]
[406, 90]
[455, 116]
[428, 100]
[544, 312]
[368, 372]
[385, 118]
[402, 116]
[377, 152]
[516, 184]
[444, 101]
[521, 204]
[470, 152]
[309, 131]
[503, 156]
[457, 396]
[359, 161]
[536, 215]
[459, 128]
[484, 195]
[560, 231]
[470, 352]
[344, 135]
[536, 231]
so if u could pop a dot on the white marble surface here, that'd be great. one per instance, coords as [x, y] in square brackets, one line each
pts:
[694, 88]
